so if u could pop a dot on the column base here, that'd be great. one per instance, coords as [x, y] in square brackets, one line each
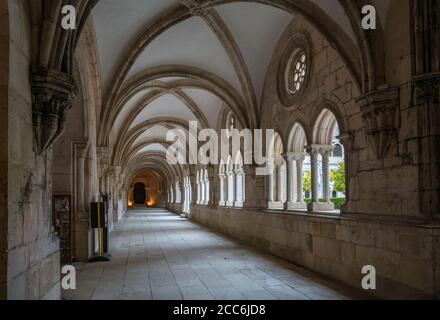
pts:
[184, 215]
[238, 204]
[206, 203]
[296, 206]
[321, 206]
[276, 205]
[222, 203]
[229, 203]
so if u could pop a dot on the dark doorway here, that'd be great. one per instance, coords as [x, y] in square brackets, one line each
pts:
[139, 194]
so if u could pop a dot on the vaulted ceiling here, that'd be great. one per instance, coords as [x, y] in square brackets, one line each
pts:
[166, 62]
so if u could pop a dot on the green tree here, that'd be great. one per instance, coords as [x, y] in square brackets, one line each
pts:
[307, 181]
[337, 177]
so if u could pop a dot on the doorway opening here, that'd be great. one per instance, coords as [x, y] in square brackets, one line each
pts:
[139, 194]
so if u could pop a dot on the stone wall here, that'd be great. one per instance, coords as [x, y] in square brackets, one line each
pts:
[339, 247]
[4, 82]
[376, 185]
[381, 224]
[33, 250]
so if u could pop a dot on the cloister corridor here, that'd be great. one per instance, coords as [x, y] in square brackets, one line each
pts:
[220, 149]
[158, 255]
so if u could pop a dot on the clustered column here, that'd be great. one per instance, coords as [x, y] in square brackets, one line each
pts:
[276, 185]
[239, 176]
[231, 188]
[206, 186]
[325, 151]
[294, 163]
[199, 196]
[222, 186]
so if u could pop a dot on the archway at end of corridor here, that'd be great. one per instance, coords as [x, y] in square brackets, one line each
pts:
[139, 194]
[146, 187]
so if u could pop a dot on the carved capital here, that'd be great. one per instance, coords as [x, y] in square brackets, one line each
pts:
[426, 86]
[347, 140]
[313, 150]
[380, 113]
[83, 149]
[104, 159]
[53, 94]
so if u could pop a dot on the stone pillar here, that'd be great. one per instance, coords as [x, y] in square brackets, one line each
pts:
[289, 158]
[207, 191]
[193, 192]
[314, 155]
[171, 195]
[222, 191]
[231, 188]
[277, 198]
[131, 195]
[198, 189]
[281, 173]
[426, 81]
[299, 179]
[146, 196]
[296, 161]
[82, 153]
[315, 151]
[270, 186]
[202, 191]
[238, 188]
[325, 153]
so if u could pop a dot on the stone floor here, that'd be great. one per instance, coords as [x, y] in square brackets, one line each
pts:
[158, 255]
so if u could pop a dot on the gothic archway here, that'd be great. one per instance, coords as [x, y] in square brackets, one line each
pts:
[139, 194]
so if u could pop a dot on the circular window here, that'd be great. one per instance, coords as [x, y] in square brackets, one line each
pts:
[294, 70]
[296, 74]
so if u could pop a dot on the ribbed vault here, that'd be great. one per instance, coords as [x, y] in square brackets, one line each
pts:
[164, 63]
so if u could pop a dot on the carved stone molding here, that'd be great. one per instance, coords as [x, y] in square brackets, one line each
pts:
[52, 95]
[347, 140]
[194, 7]
[380, 113]
[104, 160]
[427, 86]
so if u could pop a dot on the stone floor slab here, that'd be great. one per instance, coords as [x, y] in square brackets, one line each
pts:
[158, 255]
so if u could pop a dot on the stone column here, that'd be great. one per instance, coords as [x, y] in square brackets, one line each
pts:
[146, 196]
[231, 189]
[207, 190]
[270, 187]
[325, 153]
[296, 161]
[238, 188]
[426, 80]
[314, 155]
[315, 151]
[198, 189]
[222, 184]
[202, 191]
[281, 173]
[82, 152]
[289, 158]
[193, 191]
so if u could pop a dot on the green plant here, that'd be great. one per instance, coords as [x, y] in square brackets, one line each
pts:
[337, 177]
[307, 181]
